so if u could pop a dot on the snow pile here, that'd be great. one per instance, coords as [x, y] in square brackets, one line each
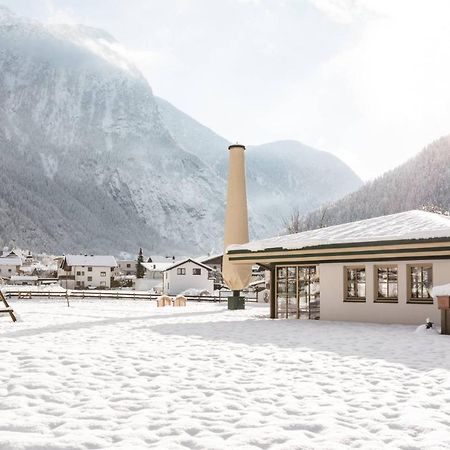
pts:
[196, 292]
[124, 374]
[443, 289]
[406, 225]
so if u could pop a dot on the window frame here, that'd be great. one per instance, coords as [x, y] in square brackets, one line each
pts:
[196, 271]
[103, 274]
[377, 298]
[348, 299]
[181, 271]
[422, 300]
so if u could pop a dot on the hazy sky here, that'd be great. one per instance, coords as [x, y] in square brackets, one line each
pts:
[368, 80]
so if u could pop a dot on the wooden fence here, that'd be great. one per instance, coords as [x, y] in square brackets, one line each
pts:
[104, 294]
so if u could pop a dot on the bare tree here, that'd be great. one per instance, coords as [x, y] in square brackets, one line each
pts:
[293, 223]
[430, 207]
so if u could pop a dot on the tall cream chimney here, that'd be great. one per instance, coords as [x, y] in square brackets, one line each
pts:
[236, 277]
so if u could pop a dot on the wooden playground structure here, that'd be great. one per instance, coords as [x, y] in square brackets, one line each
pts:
[6, 309]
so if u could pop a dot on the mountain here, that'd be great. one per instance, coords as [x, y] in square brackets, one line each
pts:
[93, 162]
[421, 181]
[89, 162]
[281, 176]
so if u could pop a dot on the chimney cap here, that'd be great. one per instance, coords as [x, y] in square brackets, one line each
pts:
[236, 145]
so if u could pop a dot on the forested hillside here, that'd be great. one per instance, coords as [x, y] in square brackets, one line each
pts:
[422, 181]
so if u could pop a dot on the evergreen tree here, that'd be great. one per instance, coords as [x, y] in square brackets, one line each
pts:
[139, 267]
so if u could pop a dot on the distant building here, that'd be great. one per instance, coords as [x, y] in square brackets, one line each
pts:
[127, 266]
[10, 264]
[153, 276]
[215, 262]
[186, 275]
[24, 280]
[84, 271]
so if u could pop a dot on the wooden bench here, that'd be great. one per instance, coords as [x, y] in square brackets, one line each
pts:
[24, 295]
[7, 309]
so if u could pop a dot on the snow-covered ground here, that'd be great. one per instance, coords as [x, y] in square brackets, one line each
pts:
[125, 374]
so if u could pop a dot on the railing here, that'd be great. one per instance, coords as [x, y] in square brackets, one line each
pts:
[113, 294]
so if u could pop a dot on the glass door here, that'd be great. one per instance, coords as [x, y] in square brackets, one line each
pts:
[297, 292]
[309, 292]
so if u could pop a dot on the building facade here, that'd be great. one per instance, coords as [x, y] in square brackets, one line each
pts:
[376, 270]
[187, 275]
[10, 264]
[126, 266]
[86, 271]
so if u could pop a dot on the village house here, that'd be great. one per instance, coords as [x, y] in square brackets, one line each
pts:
[126, 266]
[187, 275]
[375, 270]
[153, 276]
[86, 271]
[10, 264]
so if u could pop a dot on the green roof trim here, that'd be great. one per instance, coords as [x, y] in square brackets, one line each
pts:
[344, 245]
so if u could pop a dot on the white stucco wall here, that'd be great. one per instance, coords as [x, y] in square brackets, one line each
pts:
[332, 306]
[175, 284]
[84, 274]
[7, 270]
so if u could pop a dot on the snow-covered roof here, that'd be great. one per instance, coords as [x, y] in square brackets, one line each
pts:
[157, 267]
[179, 263]
[24, 278]
[161, 259]
[207, 258]
[91, 260]
[409, 225]
[10, 261]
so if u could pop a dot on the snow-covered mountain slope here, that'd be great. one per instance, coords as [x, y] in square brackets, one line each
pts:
[92, 161]
[421, 181]
[89, 163]
[281, 176]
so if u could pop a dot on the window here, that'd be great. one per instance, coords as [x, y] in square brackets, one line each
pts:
[420, 282]
[102, 283]
[112, 269]
[387, 290]
[9, 270]
[89, 269]
[78, 273]
[128, 266]
[355, 284]
[196, 271]
[181, 271]
[89, 278]
[103, 274]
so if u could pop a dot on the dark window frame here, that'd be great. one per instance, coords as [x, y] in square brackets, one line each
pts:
[428, 299]
[377, 297]
[354, 299]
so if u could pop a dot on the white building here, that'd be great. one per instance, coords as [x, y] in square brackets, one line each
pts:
[153, 276]
[375, 270]
[84, 271]
[127, 266]
[10, 265]
[186, 275]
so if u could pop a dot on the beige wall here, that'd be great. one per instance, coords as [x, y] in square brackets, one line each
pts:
[332, 306]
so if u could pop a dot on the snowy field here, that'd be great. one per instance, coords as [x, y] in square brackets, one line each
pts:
[125, 374]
